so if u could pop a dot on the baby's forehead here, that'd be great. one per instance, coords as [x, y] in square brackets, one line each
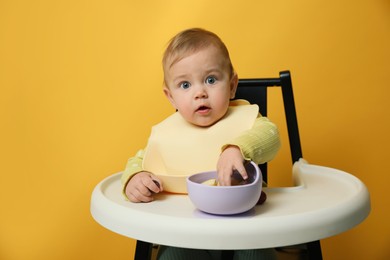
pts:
[180, 54]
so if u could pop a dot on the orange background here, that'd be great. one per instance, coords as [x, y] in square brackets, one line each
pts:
[81, 87]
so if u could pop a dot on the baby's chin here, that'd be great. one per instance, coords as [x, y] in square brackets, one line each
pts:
[205, 123]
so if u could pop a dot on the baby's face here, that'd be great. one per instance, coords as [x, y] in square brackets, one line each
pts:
[200, 86]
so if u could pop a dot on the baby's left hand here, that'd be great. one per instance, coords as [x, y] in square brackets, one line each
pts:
[230, 159]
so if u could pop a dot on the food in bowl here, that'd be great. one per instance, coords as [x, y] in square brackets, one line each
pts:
[211, 182]
[225, 200]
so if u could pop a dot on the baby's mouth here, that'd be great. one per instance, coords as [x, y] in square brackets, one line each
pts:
[203, 109]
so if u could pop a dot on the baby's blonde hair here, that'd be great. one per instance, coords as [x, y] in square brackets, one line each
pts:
[190, 41]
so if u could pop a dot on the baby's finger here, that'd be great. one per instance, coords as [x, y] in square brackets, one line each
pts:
[241, 169]
[224, 177]
[158, 183]
[137, 196]
[154, 186]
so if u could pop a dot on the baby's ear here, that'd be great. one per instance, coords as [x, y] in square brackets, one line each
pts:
[233, 85]
[168, 94]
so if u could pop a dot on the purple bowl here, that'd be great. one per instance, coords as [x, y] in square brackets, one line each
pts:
[225, 200]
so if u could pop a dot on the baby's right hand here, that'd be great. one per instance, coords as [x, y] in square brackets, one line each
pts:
[142, 186]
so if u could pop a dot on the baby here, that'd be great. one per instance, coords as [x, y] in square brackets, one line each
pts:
[208, 130]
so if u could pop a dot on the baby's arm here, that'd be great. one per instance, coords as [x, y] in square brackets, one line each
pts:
[259, 144]
[139, 185]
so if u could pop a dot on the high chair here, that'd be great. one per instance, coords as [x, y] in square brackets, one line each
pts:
[323, 202]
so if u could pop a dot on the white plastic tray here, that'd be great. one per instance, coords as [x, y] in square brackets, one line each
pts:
[324, 202]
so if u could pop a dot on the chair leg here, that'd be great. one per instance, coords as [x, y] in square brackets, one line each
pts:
[143, 250]
[314, 250]
[227, 255]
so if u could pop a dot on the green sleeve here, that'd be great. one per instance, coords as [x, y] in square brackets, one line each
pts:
[133, 166]
[260, 143]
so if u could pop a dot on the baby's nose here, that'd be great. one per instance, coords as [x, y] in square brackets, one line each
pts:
[201, 92]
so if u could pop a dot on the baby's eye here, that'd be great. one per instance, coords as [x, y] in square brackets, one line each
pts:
[211, 80]
[185, 85]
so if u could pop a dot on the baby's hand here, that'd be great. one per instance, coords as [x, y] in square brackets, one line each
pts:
[142, 186]
[230, 159]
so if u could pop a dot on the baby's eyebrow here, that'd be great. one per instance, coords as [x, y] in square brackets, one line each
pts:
[180, 78]
[213, 70]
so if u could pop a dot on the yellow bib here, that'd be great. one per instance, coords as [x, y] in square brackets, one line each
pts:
[177, 149]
